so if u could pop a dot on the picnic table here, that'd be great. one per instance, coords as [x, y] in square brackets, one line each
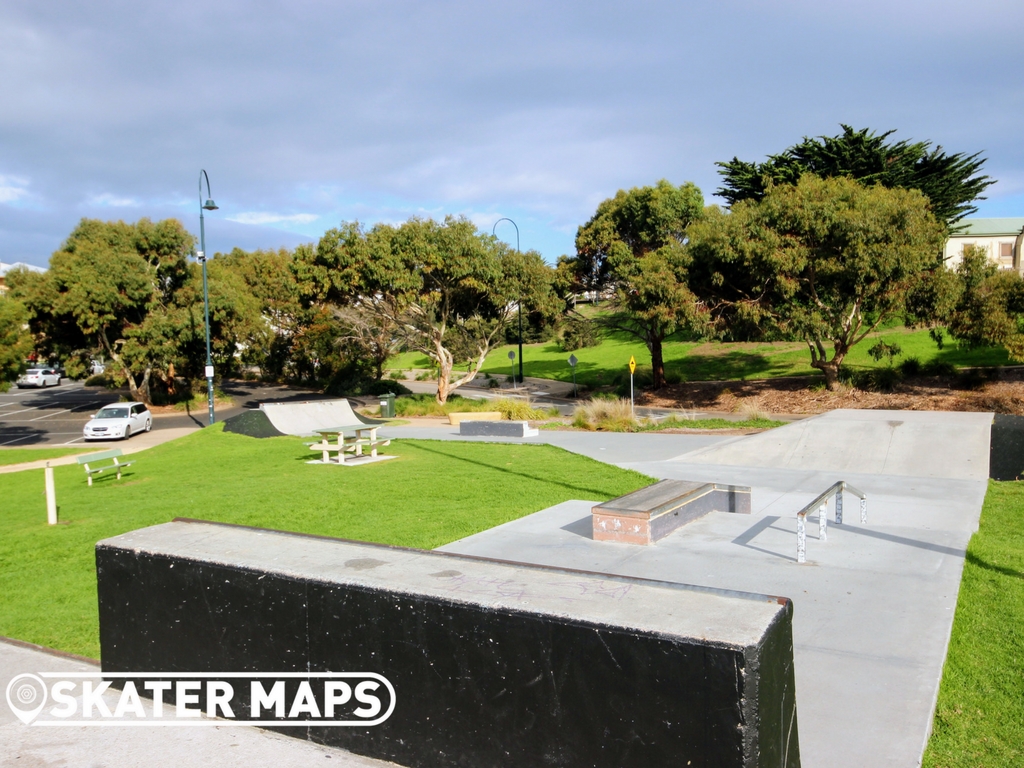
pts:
[349, 439]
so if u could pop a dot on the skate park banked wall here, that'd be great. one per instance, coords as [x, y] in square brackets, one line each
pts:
[492, 663]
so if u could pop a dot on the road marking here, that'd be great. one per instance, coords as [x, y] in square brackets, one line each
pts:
[69, 442]
[23, 437]
[23, 410]
[55, 413]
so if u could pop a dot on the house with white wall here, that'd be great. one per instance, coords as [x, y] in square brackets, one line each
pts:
[1001, 239]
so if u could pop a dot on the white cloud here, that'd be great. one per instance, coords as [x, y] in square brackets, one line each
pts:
[12, 188]
[107, 200]
[257, 217]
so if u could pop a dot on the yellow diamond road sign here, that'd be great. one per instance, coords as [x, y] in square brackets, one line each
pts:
[632, 364]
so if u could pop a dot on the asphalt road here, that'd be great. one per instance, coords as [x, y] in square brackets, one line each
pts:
[56, 415]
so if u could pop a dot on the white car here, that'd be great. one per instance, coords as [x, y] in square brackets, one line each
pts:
[39, 377]
[119, 421]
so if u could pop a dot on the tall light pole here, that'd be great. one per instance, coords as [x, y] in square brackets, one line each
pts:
[520, 302]
[208, 205]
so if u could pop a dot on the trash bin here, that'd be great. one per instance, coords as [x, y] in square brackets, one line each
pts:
[387, 406]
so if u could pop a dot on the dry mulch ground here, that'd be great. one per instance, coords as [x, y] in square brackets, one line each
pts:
[806, 394]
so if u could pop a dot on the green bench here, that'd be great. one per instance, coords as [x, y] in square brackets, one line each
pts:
[93, 458]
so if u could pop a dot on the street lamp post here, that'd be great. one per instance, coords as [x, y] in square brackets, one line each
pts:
[520, 302]
[208, 205]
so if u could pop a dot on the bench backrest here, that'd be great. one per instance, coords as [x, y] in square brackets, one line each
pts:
[99, 456]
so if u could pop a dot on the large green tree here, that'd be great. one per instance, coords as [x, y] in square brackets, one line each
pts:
[634, 245]
[442, 286]
[15, 339]
[950, 182]
[114, 288]
[823, 260]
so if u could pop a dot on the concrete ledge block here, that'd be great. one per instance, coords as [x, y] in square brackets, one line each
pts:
[497, 429]
[651, 513]
[455, 419]
[492, 663]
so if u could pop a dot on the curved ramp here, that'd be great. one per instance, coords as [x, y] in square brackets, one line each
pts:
[306, 417]
[949, 445]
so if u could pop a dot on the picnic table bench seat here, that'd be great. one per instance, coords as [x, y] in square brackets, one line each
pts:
[363, 436]
[113, 455]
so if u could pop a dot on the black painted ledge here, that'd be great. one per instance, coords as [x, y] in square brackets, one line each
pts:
[493, 664]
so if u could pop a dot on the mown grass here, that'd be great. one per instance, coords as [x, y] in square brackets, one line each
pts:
[434, 493]
[710, 361]
[10, 456]
[979, 720]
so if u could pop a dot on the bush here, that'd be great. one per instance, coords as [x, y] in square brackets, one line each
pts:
[605, 415]
[376, 388]
[98, 380]
[521, 410]
[938, 368]
[396, 375]
[911, 367]
[579, 333]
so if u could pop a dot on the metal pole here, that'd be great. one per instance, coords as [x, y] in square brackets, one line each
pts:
[631, 413]
[206, 294]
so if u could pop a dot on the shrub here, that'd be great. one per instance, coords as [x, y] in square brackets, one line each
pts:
[521, 410]
[579, 333]
[605, 415]
[911, 367]
[938, 368]
[396, 375]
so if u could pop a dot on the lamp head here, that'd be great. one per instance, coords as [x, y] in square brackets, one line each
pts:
[209, 205]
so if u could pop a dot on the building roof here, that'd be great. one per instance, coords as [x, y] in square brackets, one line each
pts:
[988, 227]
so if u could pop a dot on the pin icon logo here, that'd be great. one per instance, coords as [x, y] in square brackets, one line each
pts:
[26, 696]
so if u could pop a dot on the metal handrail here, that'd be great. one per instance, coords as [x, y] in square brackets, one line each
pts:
[821, 504]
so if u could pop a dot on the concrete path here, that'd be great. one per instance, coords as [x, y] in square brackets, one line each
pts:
[134, 444]
[873, 605]
[229, 746]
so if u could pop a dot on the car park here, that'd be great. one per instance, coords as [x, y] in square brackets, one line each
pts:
[39, 377]
[118, 421]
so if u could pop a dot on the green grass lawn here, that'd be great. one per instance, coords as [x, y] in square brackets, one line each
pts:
[20, 455]
[435, 493]
[979, 720]
[709, 361]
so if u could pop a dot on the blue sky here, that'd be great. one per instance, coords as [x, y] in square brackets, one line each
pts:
[307, 114]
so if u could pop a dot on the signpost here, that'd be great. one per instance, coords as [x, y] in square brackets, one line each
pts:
[632, 368]
[572, 364]
[512, 357]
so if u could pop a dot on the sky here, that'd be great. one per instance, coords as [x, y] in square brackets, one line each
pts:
[308, 114]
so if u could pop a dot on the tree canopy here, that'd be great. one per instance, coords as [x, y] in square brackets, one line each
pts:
[824, 260]
[444, 289]
[15, 340]
[633, 244]
[950, 182]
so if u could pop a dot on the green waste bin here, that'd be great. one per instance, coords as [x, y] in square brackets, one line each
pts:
[387, 406]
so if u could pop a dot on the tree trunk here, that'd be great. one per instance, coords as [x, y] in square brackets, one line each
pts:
[657, 363]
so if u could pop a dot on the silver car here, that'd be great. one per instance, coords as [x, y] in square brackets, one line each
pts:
[39, 377]
[119, 421]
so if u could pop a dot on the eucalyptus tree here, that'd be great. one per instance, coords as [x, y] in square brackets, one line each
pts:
[633, 245]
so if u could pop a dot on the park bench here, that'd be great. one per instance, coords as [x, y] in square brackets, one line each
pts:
[93, 458]
[460, 416]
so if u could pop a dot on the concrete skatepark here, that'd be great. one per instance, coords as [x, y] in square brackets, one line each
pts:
[873, 605]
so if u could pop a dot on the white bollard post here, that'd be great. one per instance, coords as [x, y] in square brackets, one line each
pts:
[823, 521]
[51, 496]
[801, 539]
